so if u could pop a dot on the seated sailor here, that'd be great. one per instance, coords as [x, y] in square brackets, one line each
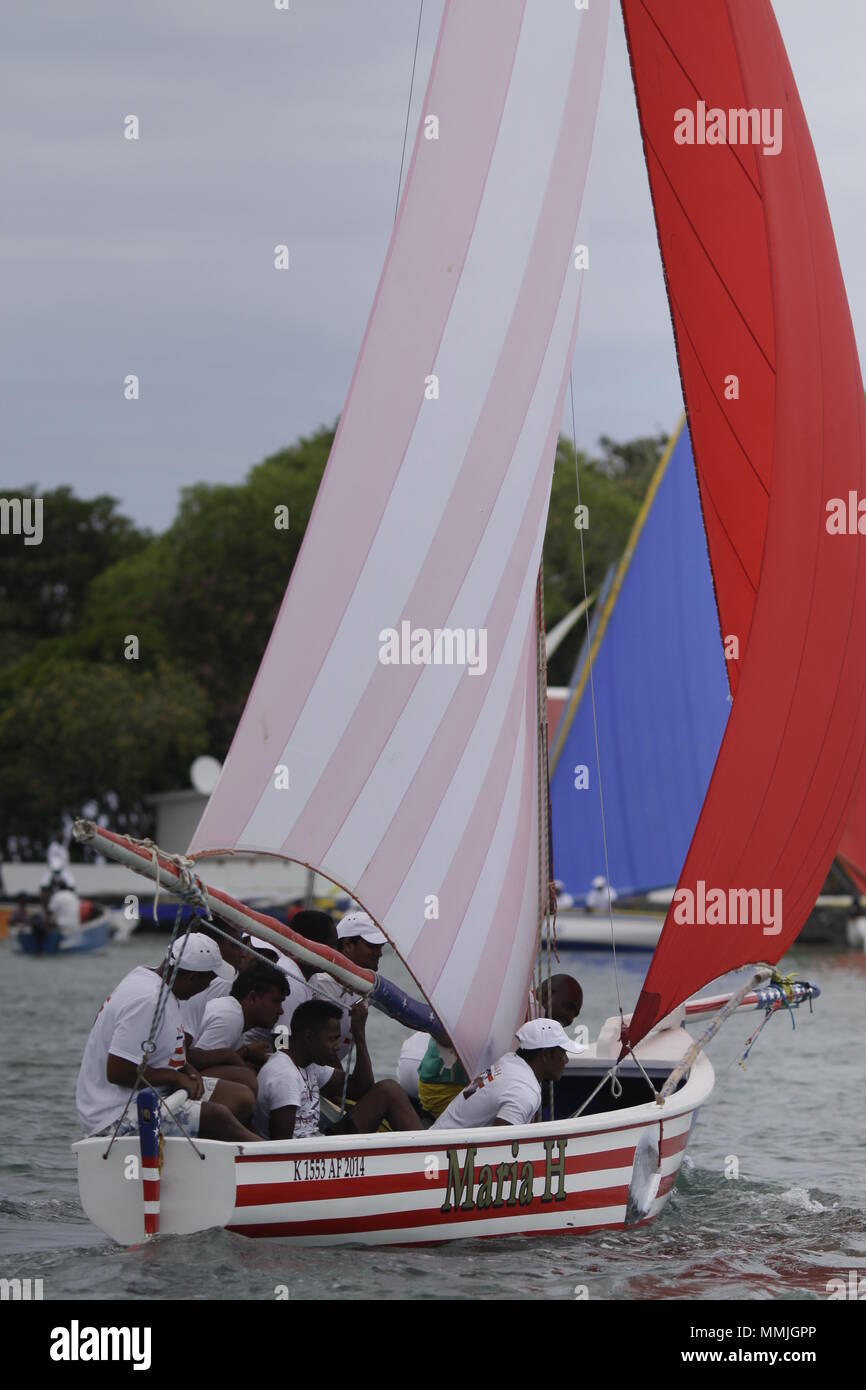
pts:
[233, 953]
[359, 939]
[255, 1001]
[314, 926]
[509, 1092]
[114, 1065]
[440, 1077]
[559, 998]
[288, 1105]
[600, 896]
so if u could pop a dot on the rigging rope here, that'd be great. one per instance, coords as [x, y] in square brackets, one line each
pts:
[546, 926]
[408, 109]
[594, 714]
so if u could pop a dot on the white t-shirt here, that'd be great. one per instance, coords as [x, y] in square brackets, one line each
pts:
[282, 1082]
[299, 993]
[506, 1091]
[596, 899]
[325, 987]
[121, 1027]
[411, 1057]
[65, 908]
[192, 1010]
[223, 1024]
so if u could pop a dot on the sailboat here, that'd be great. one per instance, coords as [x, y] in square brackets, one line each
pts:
[419, 786]
[656, 710]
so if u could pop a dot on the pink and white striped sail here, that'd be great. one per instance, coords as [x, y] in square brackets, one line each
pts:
[415, 787]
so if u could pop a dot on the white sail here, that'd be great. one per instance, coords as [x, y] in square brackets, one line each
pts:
[414, 783]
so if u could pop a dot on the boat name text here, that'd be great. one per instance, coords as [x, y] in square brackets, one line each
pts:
[502, 1184]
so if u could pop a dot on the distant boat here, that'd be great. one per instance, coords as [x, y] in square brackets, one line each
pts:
[93, 936]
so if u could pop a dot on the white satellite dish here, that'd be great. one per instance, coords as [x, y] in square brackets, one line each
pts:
[204, 774]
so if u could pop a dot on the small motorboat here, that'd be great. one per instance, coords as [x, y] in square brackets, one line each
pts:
[92, 936]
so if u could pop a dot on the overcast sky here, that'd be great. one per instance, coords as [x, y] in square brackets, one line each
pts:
[259, 127]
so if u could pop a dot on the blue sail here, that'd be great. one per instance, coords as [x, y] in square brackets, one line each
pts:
[661, 696]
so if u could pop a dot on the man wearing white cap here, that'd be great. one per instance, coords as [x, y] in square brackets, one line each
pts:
[600, 895]
[509, 1092]
[360, 940]
[114, 1051]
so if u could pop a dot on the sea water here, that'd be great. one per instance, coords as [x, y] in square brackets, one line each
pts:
[771, 1201]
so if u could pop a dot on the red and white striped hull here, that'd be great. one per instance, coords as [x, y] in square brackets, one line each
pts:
[567, 1177]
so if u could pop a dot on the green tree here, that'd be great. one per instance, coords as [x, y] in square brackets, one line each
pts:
[80, 723]
[94, 732]
[611, 489]
[206, 593]
[43, 587]
[631, 465]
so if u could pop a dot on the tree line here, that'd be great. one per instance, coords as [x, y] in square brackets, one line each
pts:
[81, 723]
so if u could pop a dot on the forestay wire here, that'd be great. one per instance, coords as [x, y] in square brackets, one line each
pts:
[546, 897]
[408, 110]
[594, 714]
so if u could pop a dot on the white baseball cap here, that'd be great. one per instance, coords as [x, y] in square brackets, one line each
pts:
[361, 924]
[259, 944]
[546, 1032]
[198, 953]
[599, 881]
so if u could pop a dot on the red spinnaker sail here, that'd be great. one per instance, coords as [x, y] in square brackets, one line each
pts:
[775, 408]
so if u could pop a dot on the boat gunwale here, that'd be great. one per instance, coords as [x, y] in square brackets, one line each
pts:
[689, 1098]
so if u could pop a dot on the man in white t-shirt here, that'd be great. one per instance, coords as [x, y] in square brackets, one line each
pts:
[317, 927]
[600, 897]
[65, 908]
[290, 1082]
[360, 940]
[230, 945]
[111, 1067]
[509, 1092]
[254, 1002]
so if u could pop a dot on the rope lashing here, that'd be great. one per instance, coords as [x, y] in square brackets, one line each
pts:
[790, 1003]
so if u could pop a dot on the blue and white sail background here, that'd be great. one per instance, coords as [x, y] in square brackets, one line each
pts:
[661, 696]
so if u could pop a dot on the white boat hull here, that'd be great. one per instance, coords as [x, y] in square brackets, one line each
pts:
[632, 931]
[566, 1177]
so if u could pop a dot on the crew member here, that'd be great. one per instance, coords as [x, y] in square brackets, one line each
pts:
[600, 896]
[114, 1065]
[290, 1082]
[360, 940]
[509, 1092]
[254, 1001]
